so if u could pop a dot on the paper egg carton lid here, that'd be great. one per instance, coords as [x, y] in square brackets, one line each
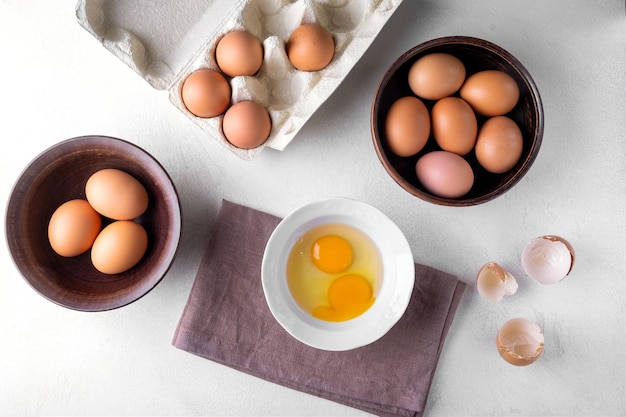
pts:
[165, 41]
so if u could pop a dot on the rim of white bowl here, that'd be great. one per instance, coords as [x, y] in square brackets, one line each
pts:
[394, 294]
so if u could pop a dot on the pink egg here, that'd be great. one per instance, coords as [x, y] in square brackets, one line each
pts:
[445, 174]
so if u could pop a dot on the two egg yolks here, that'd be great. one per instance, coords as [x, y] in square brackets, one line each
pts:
[349, 295]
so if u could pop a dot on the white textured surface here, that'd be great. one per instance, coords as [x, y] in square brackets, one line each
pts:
[58, 82]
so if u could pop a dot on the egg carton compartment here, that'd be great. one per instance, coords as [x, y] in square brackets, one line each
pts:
[164, 42]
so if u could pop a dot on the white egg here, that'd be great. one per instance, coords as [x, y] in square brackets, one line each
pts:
[548, 259]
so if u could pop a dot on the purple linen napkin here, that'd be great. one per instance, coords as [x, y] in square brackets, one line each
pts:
[227, 320]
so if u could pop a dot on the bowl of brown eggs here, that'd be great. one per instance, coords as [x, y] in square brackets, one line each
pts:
[93, 223]
[457, 121]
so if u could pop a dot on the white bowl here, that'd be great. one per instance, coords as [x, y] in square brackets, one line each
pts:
[394, 293]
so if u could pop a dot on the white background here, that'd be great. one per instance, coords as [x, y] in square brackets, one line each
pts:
[59, 82]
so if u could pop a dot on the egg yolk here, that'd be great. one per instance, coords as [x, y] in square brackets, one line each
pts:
[332, 254]
[349, 296]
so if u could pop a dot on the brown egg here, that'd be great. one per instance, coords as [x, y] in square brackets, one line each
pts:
[206, 93]
[499, 144]
[119, 247]
[246, 124]
[407, 126]
[454, 125]
[310, 47]
[116, 194]
[490, 92]
[239, 53]
[73, 228]
[436, 75]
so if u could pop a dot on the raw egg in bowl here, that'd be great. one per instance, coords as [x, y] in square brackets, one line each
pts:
[337, 274]
[80, 188]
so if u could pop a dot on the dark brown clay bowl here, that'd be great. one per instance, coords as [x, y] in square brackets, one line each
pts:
[477, 55]
[59, 174]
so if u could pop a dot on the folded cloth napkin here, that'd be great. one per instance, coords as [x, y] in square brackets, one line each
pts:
[226, 319]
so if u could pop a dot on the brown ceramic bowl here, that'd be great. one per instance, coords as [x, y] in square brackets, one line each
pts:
[59, 174]
[477, 55]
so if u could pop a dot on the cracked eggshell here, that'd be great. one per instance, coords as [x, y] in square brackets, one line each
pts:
[548, 259]
[520, 341]
[165, 43]
[494, 282]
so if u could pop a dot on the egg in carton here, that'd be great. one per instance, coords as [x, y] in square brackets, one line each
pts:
[165, 43]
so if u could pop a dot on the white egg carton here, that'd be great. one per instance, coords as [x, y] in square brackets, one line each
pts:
[164, 41]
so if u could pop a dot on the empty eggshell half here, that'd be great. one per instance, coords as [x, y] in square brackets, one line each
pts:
[548, 259]
[494, 282]
[520, 342]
